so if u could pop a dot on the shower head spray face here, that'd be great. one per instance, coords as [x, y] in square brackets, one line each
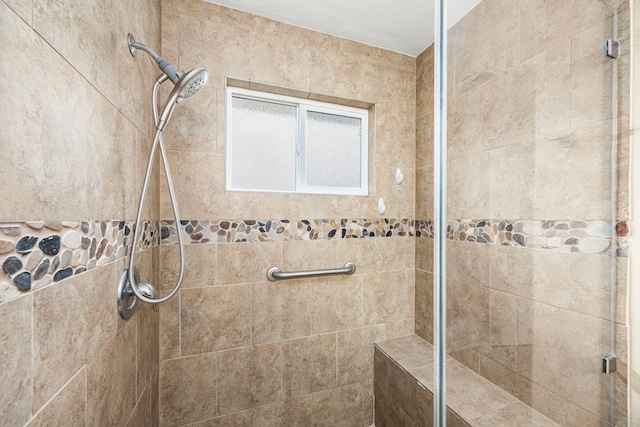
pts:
[190, 83]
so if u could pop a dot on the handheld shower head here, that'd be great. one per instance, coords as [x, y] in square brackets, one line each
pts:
[187, 86]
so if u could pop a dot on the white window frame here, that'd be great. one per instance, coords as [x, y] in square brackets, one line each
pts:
[303, 106]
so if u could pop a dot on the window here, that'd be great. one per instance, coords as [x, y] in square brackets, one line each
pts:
[284, 144]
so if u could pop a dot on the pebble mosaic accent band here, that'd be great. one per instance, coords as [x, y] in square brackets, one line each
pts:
[283, 230]
[34, 254]
[589, 237]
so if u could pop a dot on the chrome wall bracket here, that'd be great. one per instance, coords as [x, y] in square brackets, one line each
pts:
[126, 299]
[612, 48]
[131, 42]
[609, 364]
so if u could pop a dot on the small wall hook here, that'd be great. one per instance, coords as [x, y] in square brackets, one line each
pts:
[381, 206]
[399, 176]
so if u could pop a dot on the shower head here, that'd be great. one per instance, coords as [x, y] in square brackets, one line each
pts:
[185, 84]
[188, 84]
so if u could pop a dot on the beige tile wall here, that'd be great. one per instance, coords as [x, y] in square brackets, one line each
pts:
[529, 137]
[235, 348]
[76, 129]
[233, 345]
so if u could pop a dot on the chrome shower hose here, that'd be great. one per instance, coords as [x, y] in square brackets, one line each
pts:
[157, 142]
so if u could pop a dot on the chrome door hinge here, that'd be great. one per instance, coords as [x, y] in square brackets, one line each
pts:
[612, 48]
[609, 363]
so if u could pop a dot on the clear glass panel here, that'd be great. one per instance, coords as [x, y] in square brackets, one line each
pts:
[264, 145]
[333, 150]
[531, 209]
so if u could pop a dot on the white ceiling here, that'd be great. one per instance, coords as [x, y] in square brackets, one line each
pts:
[404, 26]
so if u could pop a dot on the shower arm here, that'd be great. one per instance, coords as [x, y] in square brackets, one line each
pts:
[172, 72]
[157, 141]
[134, 45]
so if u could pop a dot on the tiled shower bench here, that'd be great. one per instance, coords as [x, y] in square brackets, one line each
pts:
[403, 380]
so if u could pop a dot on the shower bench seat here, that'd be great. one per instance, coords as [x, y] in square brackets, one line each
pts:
[403, 384]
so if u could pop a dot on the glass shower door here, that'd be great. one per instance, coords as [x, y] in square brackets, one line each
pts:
[530, 212]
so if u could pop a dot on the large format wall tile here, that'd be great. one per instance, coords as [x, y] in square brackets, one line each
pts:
[15, 356]
[63, 343]
[249, 377]
[467, 315]
[578, 340]
[223, 49]
[468, 198]
[111, 380]
[147, 347]
[280, 311]
[591, 75]
[135, 75]
[188, 389]
[169, 328]
[488, 46]
[141, 416]
[24, 8]
[355, 358]
[336, 303]
[424, 305]
[541, 28]
[40, 148]
[68, 407]
[281, 54]
[552, 70]
[291, 412]
[581, 187]
[310, 255]
[511, 180]
[508, 116]
[309, 365]
[337, 407]
[465, 116]
[332, 76]
[236, 269]
[111, 142]
[388, 297]
[89, 48]
[215, 318]
[194, 126]
[199, 269]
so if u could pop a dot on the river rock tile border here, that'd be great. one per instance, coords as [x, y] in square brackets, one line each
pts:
[282, 230]
[588, 237]
[35, 254]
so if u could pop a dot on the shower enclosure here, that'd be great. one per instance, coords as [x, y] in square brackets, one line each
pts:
[534, 217]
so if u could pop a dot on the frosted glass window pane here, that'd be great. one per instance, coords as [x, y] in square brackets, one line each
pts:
[264, 145]
[334, 151]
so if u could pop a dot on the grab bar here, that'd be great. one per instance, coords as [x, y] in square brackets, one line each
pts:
[274, 273]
